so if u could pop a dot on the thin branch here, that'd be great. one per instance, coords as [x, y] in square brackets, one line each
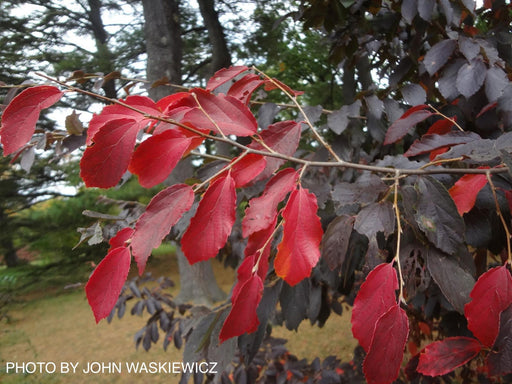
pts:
[333, 163]
[398, 236]
[500, 215]
[318, 137]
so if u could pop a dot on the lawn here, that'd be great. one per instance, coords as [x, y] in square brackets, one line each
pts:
[56, 326]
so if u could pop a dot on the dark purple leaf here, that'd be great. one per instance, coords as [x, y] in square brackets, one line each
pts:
[402, 126]
[336, 239]
[414, 94]
[468, 47]
[500, 357]
[409, 10]
[495, 82]
[481, 151]
[375, 106]
[427, 143]
[438, 55]
[338, 120]
[365, 190]
[437, 216]
[470, 77]
[447, 10]
[454, 281]
[447, 81]
[425, 9]
[375, 217]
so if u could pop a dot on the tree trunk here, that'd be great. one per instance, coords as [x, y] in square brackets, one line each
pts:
[6, 245]
[164, 49]
[221, 57]
[103, 53]
[163, 44]
[197, 282]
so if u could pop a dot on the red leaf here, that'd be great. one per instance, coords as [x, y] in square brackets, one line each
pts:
[211, 225]
[375, 297]
[243, 317]
[276, 84]
[384, 358]
[487, 108]
[403, 125]
[121, 238]
[163, 211]
[20, 117]
[442, 357]
[224, 75]
[262, 210]
[441, 127]
[117, 112]
[431, 142]
[221, 114]
[283, 137]
[465, 190]
[243, 88]
[106, 282]
[491, 295]
[258, 247]
[155, 158]
[299, 250]
[247, 168]
[244, 273]
[104, 163]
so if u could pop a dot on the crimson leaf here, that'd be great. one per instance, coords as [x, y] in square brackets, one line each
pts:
[375, 297]
[211, 225]
[20, 117]
[384, 358]
[117, 111]
[258, 245]
[491, 295]
[243, 88]
[442, 357]
[221, 113]
[403, 125]
[155, 158]
[465, 190]
[121, 238]
[106, 282]
[163, 211]
[243, 318]
[263, 210]
[104, 163]
[298, 251]
[246, 169]
[283, 137]
[224, 75]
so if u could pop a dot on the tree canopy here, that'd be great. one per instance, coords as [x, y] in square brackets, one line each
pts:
[395, 200]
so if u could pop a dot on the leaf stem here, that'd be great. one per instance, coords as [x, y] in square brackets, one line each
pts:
[318, 137]
[227, 168]
[207, 115]
[398, 236]
[446, 117]
[500, 215]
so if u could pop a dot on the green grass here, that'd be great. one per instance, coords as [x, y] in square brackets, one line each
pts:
[48, 323]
